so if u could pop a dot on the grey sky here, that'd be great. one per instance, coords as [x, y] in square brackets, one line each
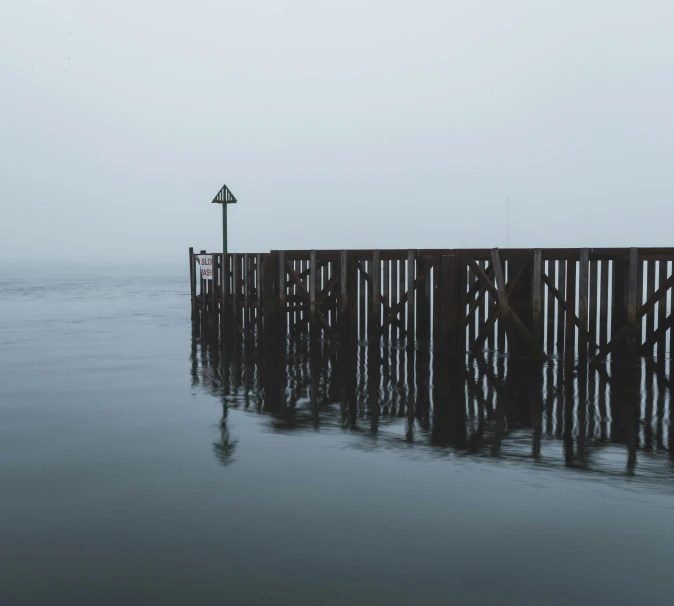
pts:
[336, 124]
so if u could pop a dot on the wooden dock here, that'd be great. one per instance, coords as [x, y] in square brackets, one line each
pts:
[578, 305]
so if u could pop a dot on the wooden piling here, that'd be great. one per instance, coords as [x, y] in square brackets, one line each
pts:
[224, 292]
[593, 300]
[550, 340]
[374, 323]
[313, 284]
[451, 303]
[214, 288]
[362, 301]
[633, 297]
[259, 275]
[402, 283]
[570, 336]
[236, 286]
[650, 289]
[282, 302]
[583, 278]
[394, 297]
[662, 314]
[352, 295]
[423, 302]
[411, 278]
[561, 314]
[193, 285]
[246, 290]
[386, 295]
[343, 314]
[269, 301]
[603, 301]
[537, 299]
[204, 292]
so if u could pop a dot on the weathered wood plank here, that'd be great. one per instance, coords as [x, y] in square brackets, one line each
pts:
[313, 288]
[550, 336]
[662, 310]
[374, 323]
[401, 292]
[246, 290]
[650, 289]
[604, 302]
[203, 290]
[570, 336]
[561, 312]
[394, 297]
[633, 297]
[352, 297]
[386, 293]
[537, 299]
[593, 300]
[362, 302]
[193, 284]
[583, 279]
[259, 275]
[411, 288]
[283, 313]
[451, 298]
[423, 299]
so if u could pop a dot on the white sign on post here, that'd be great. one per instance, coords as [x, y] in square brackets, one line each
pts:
[205, 263]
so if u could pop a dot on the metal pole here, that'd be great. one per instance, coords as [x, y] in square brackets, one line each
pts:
[224, 230]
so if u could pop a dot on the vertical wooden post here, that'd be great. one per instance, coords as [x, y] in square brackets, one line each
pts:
[633, 298]
[224, 289]
[193, 284]
[411, 279]
[283, 312]
[583, 276]
[662, 314]
[246, 290]
[593, 300]
[603, 304]
[386, 295]
[561, 315]
[343, 315]
[214, 288]
[313, 278]
[570, 337]
[395, 334]
[537, 300]
[552, 274]
[471, 318]
[259, 281]
[650, 289]
[236, 287]
[436, 296]
[269, 302]
[619, 300]
[352, 294]
[374, 324]
[362, 306]
[203, 288]
[451, 304]
[401, 293]
[423, 303]
[501, 322]
[520, 301]
[481, 306]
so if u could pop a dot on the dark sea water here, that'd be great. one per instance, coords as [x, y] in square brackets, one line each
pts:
[140, 465]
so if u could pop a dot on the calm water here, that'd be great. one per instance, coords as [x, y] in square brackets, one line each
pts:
[139, 465]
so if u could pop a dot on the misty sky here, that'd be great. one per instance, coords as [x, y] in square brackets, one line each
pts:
[336, 124]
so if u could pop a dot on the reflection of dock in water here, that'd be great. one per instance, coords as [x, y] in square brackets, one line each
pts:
[601, 418]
